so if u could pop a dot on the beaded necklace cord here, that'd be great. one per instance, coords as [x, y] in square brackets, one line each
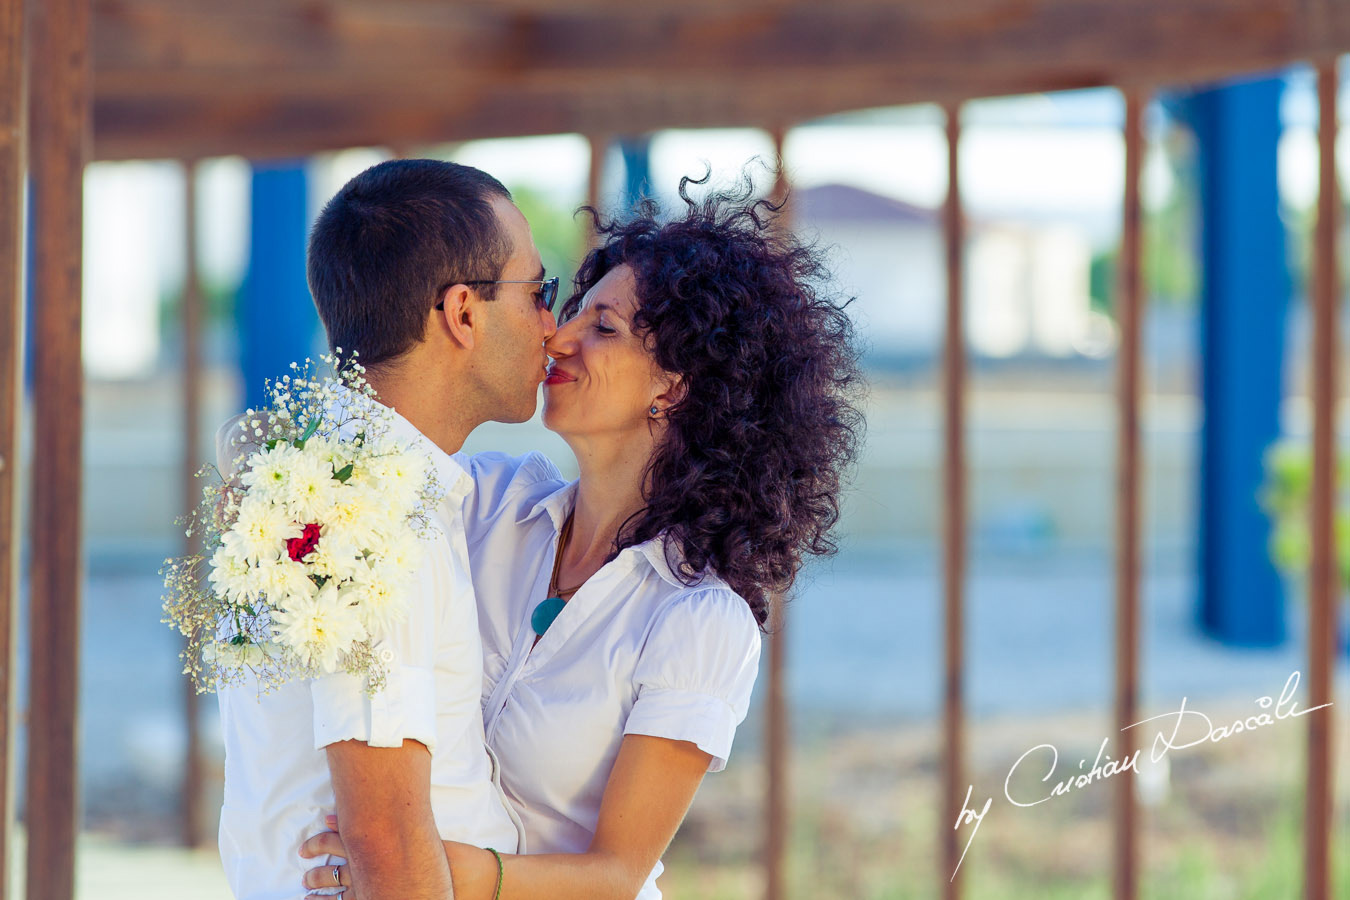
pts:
[546, 612]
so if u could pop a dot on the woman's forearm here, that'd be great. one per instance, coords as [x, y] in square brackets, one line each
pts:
[650, 788]
[556, 876]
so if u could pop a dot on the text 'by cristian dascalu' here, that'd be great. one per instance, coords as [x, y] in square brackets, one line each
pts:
[1045, 757]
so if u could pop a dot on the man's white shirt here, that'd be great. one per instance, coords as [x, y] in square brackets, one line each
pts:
[277, 784]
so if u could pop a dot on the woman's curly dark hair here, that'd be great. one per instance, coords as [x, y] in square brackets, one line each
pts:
[748, 475]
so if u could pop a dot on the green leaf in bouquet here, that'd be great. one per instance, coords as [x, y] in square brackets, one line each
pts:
[308, 433]
[343, 473]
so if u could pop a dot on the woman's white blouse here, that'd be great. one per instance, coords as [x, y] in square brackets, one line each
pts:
[635, 651]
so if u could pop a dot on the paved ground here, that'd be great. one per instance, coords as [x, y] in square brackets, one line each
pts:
[109, 870]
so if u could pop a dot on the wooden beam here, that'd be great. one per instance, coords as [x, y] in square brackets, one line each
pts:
[953, 520]
[467, 44]
[1323, 580]
[265, 125]
[60, 135]
[1129, 313]
[281, 78]
[13, 172]
[191, 794]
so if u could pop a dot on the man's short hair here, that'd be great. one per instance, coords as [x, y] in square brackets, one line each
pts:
[390, 241]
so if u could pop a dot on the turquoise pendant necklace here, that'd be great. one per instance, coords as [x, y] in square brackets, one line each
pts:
[546, 612]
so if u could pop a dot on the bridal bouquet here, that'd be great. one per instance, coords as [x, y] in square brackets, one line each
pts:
[310, 538]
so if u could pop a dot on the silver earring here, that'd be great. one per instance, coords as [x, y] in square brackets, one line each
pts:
[655, 410]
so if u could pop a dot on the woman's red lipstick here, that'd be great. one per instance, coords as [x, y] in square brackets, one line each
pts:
[557, 376]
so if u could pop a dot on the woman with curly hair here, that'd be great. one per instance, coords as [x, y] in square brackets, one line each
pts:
[705, 378]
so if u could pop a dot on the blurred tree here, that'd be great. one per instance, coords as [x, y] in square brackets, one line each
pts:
[1171, 264]
[1285, 496]
[559, 235]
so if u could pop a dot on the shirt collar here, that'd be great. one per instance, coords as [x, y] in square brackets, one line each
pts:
[452, 475]
[559, 503]
[660, 553]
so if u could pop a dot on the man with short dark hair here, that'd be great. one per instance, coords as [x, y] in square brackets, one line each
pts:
[428, 272]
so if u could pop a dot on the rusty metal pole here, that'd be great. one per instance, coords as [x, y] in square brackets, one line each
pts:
[599, 144]
[60, 123]
[1130, 301]
[192, 392]
[776, 774]
[776, 826]
[1323, 589]
[953, 519]
[13, 163]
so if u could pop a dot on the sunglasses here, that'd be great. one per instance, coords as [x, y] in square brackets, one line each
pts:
[548, 290]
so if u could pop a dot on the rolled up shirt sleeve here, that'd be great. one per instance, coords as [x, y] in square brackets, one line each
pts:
[405, 707]
[696, 673]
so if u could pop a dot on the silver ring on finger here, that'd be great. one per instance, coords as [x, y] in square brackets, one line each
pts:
[337, 876]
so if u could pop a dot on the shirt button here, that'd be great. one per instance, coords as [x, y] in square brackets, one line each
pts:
[386, 655]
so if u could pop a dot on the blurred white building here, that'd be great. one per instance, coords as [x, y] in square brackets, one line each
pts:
[1027, 282]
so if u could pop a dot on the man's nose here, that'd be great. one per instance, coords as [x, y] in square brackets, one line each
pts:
[550, 323]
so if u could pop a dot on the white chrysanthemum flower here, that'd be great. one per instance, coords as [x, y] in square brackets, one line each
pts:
[352, 516]
[261, 531]
[401, 474]
[382, 601]
[250, 654]
[229, 574]
[229, 655]
[310, 485]
[336, 453]
[268, 472]
[400, 555]
[320, 629]
[335, 558]
[284, 580]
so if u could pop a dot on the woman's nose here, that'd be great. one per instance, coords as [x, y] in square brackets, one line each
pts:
[561, 342]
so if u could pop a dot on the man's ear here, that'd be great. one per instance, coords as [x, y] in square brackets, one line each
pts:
[461, 314]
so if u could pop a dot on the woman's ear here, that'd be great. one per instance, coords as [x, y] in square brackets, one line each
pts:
[674, 392]
[460, 314]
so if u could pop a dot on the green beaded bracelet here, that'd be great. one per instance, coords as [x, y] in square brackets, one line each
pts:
[501, 870]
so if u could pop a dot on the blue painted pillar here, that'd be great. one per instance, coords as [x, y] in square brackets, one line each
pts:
[276, 320]
[1242, 333]
[637, 165]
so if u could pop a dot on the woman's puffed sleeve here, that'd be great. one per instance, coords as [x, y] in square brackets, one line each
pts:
[696, 672]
